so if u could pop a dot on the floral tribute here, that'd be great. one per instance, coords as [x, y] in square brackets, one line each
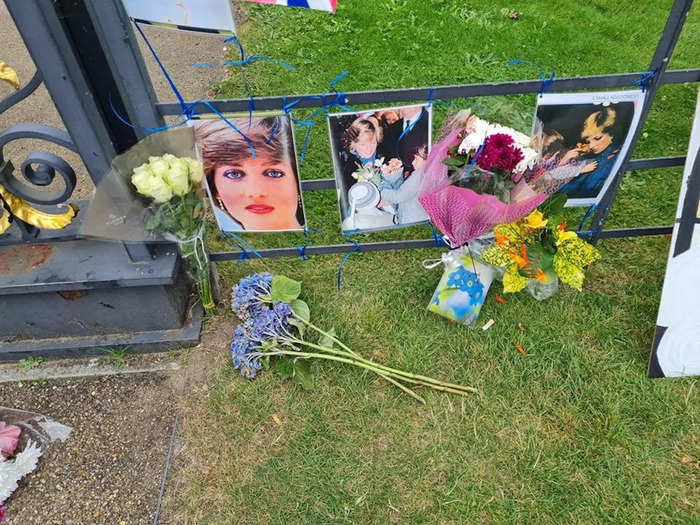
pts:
[539, 247]
[482, 174]
[377, 172]
[173, 184]
[276, 333]
[24, 437]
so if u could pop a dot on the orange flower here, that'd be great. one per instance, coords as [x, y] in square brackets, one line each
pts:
[541, 276]
[501, 239]
[521, 260]
[562, 226]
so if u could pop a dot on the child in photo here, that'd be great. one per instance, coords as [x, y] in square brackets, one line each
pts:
[405, 197]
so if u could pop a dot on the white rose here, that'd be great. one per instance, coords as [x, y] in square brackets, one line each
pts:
[140, 178]
[159, 166]
[151, 185]
[168, 157]
[196, 170]
[159, 190]
[178, 177]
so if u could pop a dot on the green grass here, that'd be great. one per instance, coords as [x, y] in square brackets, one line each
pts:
[571, 431]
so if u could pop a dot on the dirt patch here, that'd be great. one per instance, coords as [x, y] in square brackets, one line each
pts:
[109, 470]
[191, 391]
[23, 258]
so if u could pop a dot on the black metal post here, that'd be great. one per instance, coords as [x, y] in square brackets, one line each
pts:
[659, 63]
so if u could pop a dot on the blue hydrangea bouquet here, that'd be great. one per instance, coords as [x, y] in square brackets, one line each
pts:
[276, 333]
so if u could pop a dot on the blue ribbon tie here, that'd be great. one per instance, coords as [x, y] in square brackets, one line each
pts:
[356, 248]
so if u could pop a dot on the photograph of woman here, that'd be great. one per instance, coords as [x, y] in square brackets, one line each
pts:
[375, 155]
[593, 130]
[257, 193]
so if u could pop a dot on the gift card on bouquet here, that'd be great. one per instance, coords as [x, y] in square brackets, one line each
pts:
[462, 288]
[378, 158]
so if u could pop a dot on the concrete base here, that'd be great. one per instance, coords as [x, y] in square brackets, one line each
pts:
[68, 299]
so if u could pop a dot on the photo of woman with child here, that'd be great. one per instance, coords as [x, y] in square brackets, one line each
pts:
[595, 135]
[258, 191]
[378, 158]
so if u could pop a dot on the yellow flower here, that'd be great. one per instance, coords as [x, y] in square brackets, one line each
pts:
[536, 220]
[565, 236]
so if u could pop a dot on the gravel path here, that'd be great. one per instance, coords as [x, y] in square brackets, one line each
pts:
[109, 470]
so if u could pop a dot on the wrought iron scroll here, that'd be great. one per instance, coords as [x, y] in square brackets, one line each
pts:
[39, 169]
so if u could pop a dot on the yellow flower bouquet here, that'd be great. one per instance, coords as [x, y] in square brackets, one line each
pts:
[536, 251]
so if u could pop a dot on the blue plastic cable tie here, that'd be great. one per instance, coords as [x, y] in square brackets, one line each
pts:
[274, 131]
[309, 231]
[588, 213]
[589, 233]
[439, 240]
[152, 130]
[162, 68]
[356, 248]
[546, 82]
[470, 166]
[231, 125]
[243, 244]
[245, 62]
[646, 76]
[338, 100]
[302, 251]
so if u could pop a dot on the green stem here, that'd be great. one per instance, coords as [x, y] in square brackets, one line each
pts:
[354, 362]
[335, 339]
[417, 378]
[402, 387]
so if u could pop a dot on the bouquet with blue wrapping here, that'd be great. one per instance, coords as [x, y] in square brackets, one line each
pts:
[462, 288]
[276, 333]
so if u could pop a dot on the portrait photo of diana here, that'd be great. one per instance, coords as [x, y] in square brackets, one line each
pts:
[256, 191]
[593, 130]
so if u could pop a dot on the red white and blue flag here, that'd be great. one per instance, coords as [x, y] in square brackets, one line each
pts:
[322, 5]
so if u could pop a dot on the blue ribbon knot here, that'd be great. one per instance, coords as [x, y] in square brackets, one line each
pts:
[355, 248]
[546, 82]
[646, 76]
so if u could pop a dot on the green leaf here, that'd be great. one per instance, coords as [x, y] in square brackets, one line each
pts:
[302, 373]
[153, 222]
[284, 289]
[326, 340]
[300, 326]
[284, 367]
[301, 310]
[453, 162]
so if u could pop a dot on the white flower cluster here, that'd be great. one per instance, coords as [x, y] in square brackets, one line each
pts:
[11, 472]
[162, 177]
[478, 130]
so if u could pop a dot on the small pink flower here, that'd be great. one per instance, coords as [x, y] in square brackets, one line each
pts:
[9, 436]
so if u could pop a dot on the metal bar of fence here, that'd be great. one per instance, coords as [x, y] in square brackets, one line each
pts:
[515, 87]
[327, 249]
[633, 165]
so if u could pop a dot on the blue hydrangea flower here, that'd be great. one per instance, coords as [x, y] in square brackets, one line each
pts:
[261, 322]
[241, 349]
[245, 297]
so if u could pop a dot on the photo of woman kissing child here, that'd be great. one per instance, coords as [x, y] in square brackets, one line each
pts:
[378, 158]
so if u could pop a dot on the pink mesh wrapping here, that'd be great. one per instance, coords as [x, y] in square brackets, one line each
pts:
[460, 213]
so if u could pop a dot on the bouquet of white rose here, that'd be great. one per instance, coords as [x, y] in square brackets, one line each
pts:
[178, 211]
